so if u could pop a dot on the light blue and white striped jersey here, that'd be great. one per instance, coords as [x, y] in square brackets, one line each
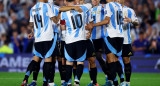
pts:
[56, 12]
[89, 19]
[114, 11]
[40, 15]
[75, 24]
[98, 16]
[128, 12]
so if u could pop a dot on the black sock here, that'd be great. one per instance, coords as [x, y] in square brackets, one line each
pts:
[35, 73]
[102, 62]
[128, 71]
[108, 71]
[68, 73]
[47, 71]
[63, 73]
[60, 68]
[120, 71]
[93, 75]
[31, 67]
[52, 72]
[79, 71]
[113, 69]
[74, 73]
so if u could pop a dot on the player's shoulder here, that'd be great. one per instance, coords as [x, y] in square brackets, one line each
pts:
[56, 7]
[110, 4]
[126, 7]
[87, 5]
[130, 9]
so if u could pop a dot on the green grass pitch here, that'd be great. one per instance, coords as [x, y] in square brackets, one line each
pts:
[138, 79]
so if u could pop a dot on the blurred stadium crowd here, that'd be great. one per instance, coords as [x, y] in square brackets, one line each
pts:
[14, 18]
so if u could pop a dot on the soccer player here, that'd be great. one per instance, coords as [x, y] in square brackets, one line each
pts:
[90, 51]
[114, 35]
[75, 44]
[130, 18]
[35, 73]
[98, 34]
[41, 16]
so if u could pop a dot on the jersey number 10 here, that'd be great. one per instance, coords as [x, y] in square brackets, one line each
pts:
[76, 22]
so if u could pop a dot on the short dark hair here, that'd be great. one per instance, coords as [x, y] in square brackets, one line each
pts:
[141, 32]
[70, 0]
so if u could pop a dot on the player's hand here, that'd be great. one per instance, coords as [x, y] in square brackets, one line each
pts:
[88, 35]
[89, 26]
[128, 20]
[78, 8]
[30, 36]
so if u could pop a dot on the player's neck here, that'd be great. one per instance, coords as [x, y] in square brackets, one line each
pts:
[70, 4]
[96, 5]
[110, 1]
[41, 1]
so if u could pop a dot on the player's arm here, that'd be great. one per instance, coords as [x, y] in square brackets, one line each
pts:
[133, 19]
[67, 8]
[90, 31]
[30, 30]
[108, 14]
[105, 21]
[134, 22]
[55, 19]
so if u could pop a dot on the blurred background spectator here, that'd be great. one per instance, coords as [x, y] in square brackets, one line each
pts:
[140, 45]
[14, 18]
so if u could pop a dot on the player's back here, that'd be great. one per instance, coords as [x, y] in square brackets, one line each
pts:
[114, 11]
[40, 15]
[75, 25]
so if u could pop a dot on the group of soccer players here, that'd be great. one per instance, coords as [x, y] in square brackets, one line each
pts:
[78, 32]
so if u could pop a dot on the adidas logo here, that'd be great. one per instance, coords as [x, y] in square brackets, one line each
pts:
[130, 53]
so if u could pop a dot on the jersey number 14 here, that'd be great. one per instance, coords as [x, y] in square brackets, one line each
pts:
[38, 19]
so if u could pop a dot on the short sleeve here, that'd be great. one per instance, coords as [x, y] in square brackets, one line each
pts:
[31, 16]
[86, 7]
[107, 10]
[134, 17]
[50, 11]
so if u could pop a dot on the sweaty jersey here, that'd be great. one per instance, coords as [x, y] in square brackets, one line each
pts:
[98, 16]
[114, 11]
[128, 12]
[75, 24]
[40, 15]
